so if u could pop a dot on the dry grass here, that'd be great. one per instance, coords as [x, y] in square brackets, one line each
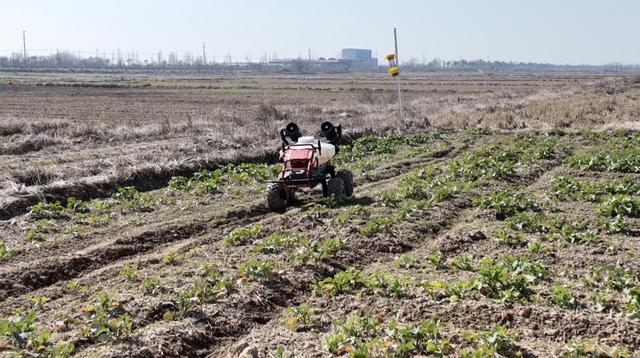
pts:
[32, 176]
[545, 111]
[9, 128]
[119, 133]
[29, 143]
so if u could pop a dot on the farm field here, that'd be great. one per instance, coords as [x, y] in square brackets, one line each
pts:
[502, 217]
[521, 244]
[87, 134]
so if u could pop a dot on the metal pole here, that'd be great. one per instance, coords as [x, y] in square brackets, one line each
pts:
[204, 55]
[24, 47]
[400, 101]
[395, 40]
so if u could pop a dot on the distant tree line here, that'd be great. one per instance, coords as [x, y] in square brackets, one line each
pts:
[71, 60]
[496, 66]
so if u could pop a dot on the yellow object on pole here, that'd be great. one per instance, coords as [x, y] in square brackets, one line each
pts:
[394, 71]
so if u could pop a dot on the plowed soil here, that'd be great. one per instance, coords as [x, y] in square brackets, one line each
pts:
[154, 260]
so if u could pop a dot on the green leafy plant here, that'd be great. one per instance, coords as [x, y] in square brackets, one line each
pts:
[389, 198]
[314, 252]
[6, 251]
[499, 341]
[77, 205]
[210, 270]
[621, 205]
[300, 318]
[537, 247]
[37, 232]
[526, 223]
[279, 352]
[130, 272]
[243, 235]
[277, 243]
[203, 291]
[38, 301]
[589, 349]
[509, 279]
[376, 225]
[612, 277]
[173, 258]
[576, 233]
[352, 280]
[461, 262]
[345, 281]
[633, 303]
[63, 350]
[107, 318]
[442, 291]
[257, 270]
[350, 214]
[618, 226]
[437, 260]
[618, 160]
[364, 337]
[502, 340]
[387, 285]
[150, 285]
[19, 328]
[561, 296]
[603, 301]
[506, 204]
[405, 261]
[46, 210]
[508, 238]
[178, 183]
[97, 220]
[209, 181]
[133, 200]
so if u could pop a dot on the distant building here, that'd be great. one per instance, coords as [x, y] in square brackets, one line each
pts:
[353, 59]
[358, 56]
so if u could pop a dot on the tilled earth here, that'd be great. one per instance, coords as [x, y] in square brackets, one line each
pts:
[86, 134]
[464, 244]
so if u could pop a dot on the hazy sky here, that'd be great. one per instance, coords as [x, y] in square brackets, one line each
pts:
[565, 32]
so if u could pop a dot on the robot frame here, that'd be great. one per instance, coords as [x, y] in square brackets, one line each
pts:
[307, 163]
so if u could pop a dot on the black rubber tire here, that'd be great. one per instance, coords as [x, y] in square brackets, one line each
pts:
[276, 197]
[347, 179]
[335, 186]
[325, 190]
[291, 197]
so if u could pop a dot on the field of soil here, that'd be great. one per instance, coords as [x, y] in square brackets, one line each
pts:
[500, 218]
[87, 134]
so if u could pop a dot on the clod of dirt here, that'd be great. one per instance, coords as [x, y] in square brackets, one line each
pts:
[449, 244]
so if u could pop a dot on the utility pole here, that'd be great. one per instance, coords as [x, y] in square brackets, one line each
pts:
[204, 55]
[309, 54]
[400, 101]
[24, 47]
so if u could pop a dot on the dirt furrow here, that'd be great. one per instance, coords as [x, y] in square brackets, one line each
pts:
[264, 314]
[20, 279]
[48, 271]
[145, 179]
[412, 237]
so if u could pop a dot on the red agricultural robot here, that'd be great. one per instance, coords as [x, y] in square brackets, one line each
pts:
[307, 163]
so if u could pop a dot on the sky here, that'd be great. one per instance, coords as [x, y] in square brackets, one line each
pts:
[550, 31]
